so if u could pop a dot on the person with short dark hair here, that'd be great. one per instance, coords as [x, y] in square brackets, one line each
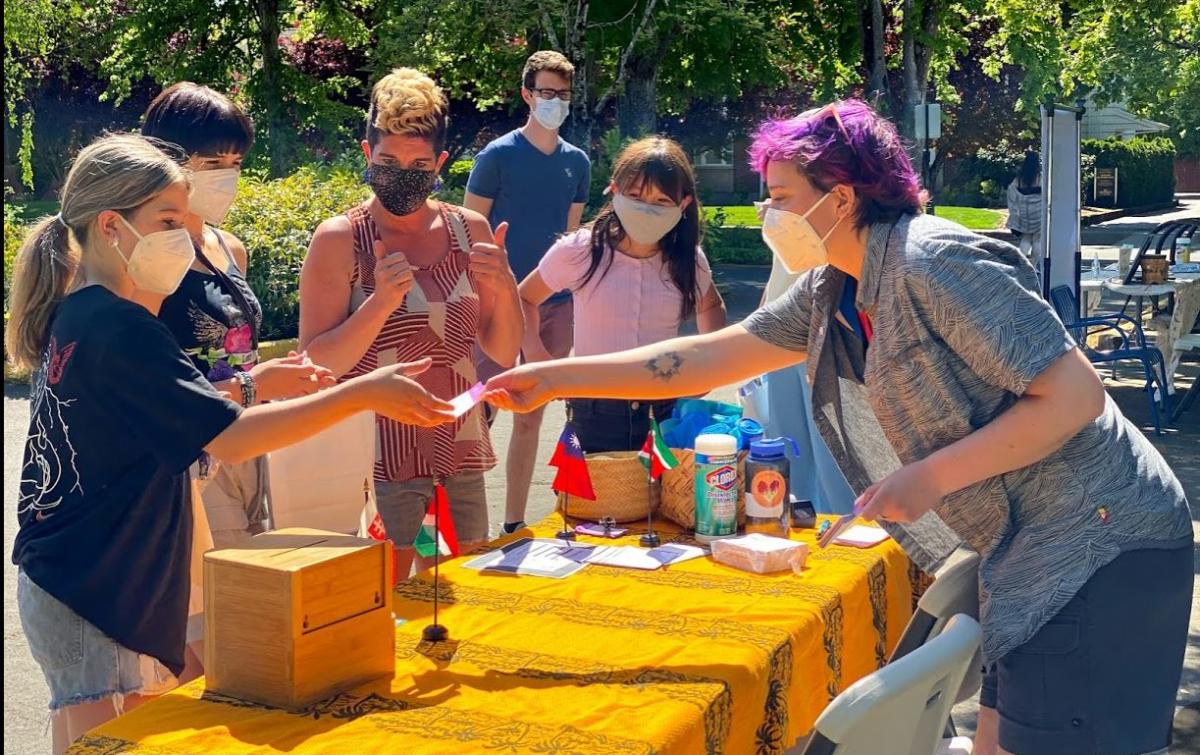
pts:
[962, 413]
[538, 183]
[405, 275]
[214, 314]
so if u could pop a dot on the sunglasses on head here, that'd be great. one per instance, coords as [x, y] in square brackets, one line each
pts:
[828, 114]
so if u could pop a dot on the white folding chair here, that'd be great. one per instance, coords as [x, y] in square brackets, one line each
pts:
[955, 590]
[324, 482]
[1189, 341]
[902, 708]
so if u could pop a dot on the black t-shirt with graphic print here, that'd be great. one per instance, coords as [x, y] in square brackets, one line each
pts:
[118, 413]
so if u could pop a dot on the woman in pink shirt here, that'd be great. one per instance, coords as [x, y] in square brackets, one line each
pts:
[637, 274]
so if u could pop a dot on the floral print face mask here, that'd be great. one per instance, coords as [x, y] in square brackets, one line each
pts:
[400, 190]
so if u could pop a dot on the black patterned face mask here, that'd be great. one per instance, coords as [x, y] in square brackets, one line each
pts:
[400, 190]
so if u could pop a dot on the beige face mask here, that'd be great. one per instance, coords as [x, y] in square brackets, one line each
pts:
[213, 192]
[159, 261]
[792, 238]
[644, 222]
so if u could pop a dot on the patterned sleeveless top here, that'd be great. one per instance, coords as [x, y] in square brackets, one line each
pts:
[439, 319]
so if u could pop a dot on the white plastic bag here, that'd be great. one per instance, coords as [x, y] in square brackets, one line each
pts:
[755, 401]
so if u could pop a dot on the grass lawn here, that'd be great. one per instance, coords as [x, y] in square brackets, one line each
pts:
[975, 218]
[32, 210]
[734, 215]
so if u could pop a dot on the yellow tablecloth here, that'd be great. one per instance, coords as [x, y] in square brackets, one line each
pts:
[694, 658]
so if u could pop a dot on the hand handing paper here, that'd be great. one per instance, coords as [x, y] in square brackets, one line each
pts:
[465, 402]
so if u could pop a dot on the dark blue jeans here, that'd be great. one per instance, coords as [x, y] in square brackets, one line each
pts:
[610, 425]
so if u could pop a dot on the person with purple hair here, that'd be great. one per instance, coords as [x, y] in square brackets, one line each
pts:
[962, 413]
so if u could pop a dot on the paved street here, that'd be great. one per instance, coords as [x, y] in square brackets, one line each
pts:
[24, 689]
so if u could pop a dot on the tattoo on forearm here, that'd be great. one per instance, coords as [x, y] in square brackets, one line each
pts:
[665, 366]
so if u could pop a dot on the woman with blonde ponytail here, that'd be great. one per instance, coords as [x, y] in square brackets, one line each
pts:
[118, 414]
[45, 266]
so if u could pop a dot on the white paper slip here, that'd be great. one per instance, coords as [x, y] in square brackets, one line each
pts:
[537, 558]
[625, 556]
[861, 536]
[465, 402]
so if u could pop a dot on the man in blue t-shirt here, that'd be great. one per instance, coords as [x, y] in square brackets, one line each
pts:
[538, 184]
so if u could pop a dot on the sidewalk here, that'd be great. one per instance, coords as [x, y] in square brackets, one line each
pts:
[1104, 239]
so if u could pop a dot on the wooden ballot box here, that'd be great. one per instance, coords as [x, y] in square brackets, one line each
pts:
[297, 615]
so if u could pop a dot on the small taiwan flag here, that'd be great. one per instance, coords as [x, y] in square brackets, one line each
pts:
[655, 455]
[572, 478]
[437, 529]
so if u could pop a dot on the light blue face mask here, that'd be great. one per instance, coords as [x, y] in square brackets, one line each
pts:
[551, 113]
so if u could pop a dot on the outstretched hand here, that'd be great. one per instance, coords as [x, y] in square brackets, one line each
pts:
[521, 390]
[903, 496]
[392, 392]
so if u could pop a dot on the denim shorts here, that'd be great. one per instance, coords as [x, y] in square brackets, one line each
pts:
[402, 506]
[1100, 678]
[82, 664]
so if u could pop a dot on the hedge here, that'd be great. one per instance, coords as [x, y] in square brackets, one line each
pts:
[1145, 168]
[276, 220]
[14, 234]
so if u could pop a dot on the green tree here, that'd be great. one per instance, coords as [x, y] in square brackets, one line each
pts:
[908, 49]
[40, 37]
[239, 46]
[1144, 53]
[636, 60]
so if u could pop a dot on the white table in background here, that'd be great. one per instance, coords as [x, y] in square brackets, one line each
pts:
[1185, 287]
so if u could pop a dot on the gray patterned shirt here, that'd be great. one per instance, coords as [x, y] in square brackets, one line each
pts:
[959, 333]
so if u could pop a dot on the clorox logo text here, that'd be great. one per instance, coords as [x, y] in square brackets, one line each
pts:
[724, 478]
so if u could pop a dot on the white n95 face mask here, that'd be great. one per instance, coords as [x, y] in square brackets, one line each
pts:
[159, 260]
[551, 113]
[792, 238]
[645, 223]
[213, 192]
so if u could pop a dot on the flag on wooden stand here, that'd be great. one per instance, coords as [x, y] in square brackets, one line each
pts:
[655, 455]
[572, 477]
[437, 529]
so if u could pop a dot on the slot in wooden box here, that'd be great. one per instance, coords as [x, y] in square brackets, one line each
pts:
[297, 615]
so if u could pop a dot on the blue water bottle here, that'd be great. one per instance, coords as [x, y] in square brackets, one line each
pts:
[767, 495]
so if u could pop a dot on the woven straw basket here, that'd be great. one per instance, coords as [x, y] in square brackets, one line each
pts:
[621, 487]
[679, 489]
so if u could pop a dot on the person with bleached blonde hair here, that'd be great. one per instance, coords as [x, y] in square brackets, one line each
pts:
[404, 274]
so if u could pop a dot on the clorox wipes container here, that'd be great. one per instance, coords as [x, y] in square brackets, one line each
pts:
[716, 487]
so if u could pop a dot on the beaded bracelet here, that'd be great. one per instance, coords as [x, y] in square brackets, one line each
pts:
[246, 380]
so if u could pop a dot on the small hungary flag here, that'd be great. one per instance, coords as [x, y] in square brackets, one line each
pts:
[655, 455]
[437, 529]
